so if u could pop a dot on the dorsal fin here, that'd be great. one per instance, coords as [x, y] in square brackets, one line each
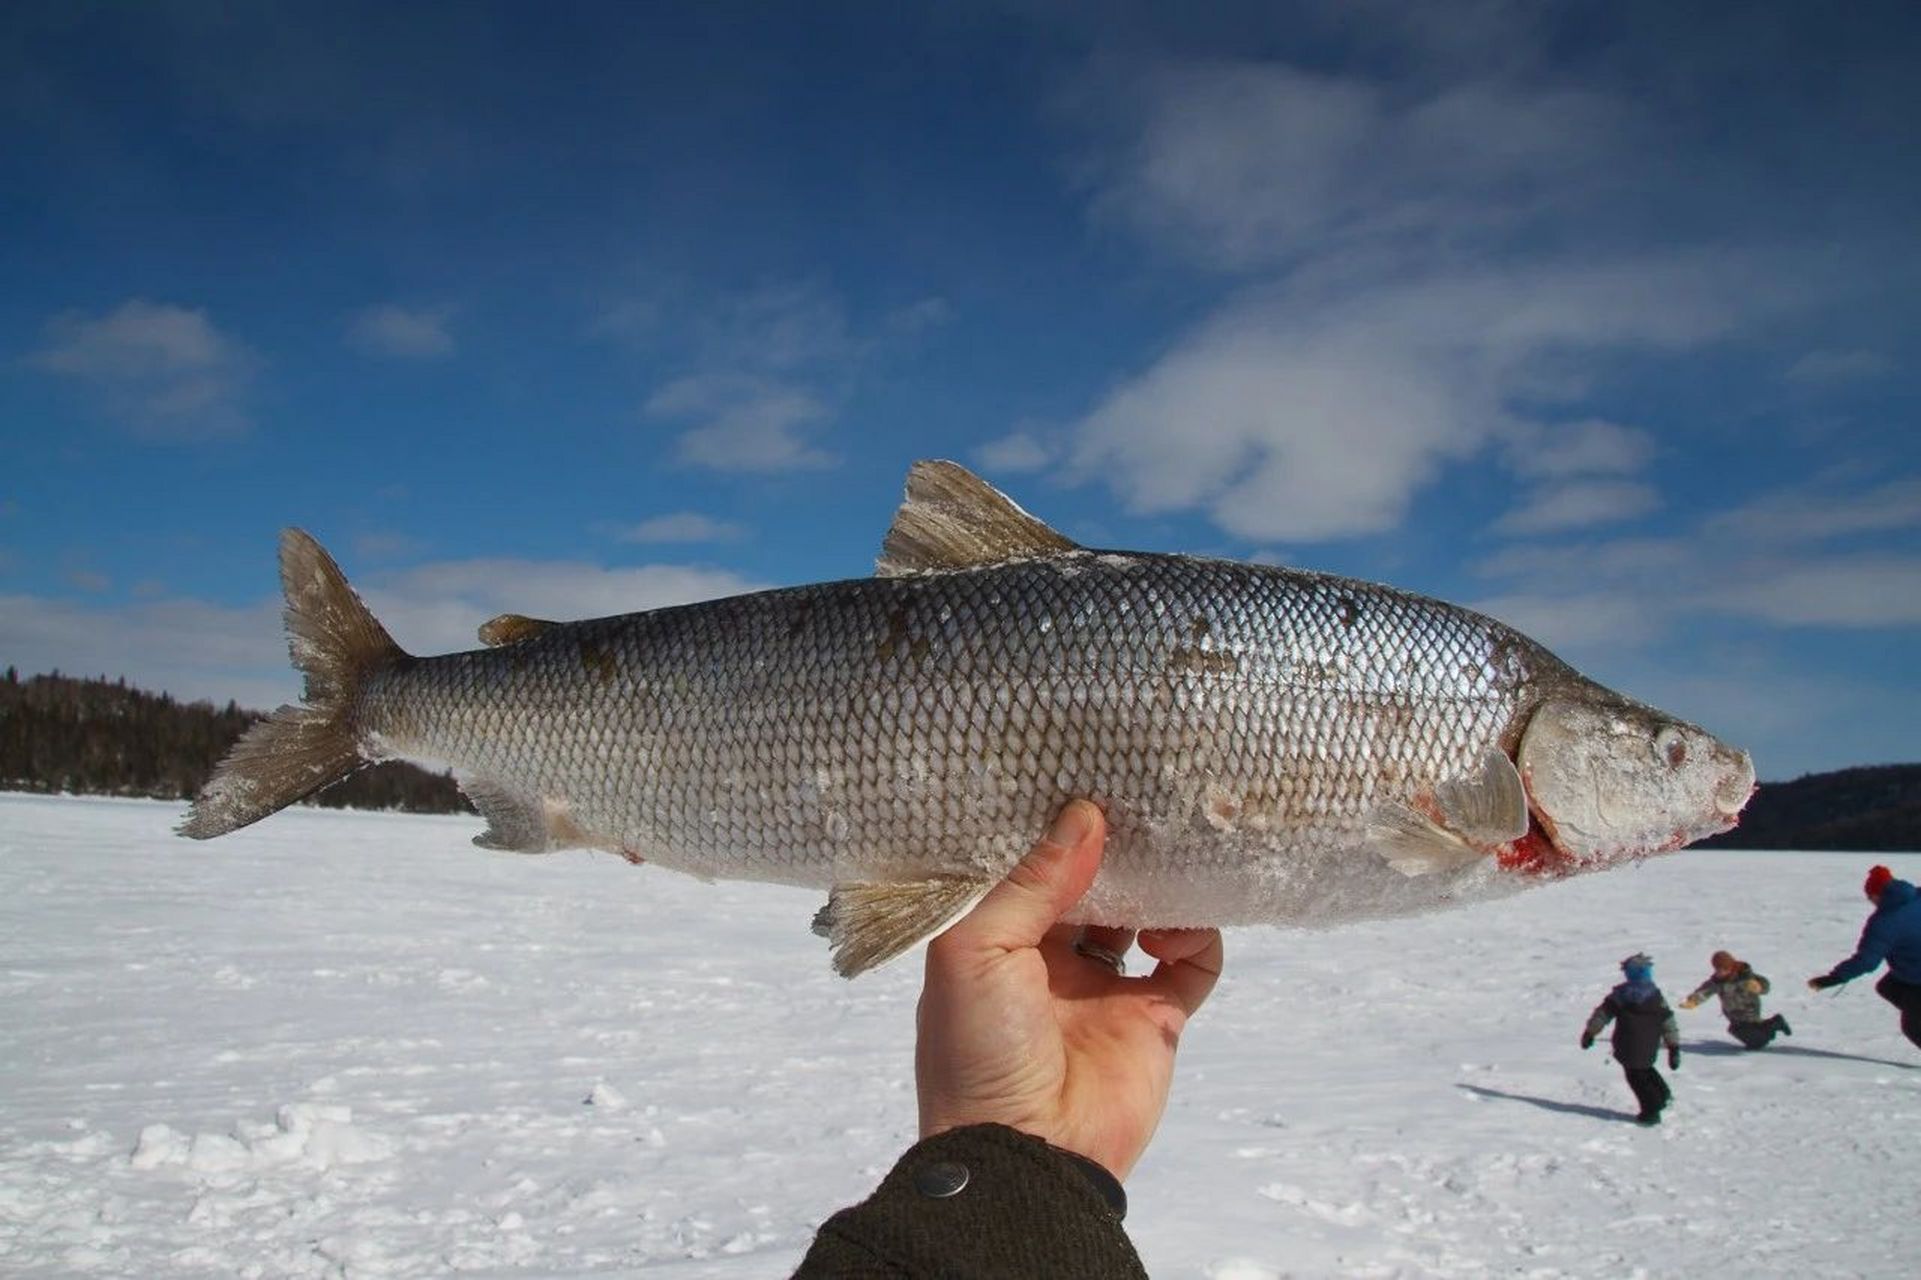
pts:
[511, 628]
[953, 519]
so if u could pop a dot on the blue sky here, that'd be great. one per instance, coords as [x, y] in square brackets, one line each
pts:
[1601, 318]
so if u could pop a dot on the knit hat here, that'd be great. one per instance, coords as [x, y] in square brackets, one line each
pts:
[1877, 881]
[1723, 961]
[1637, 967]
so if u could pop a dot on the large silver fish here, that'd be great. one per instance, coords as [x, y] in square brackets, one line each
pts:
[1269, 745]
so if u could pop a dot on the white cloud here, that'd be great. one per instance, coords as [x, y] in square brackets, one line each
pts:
[1402, 303]
[194, 649]
[1828, 591]
[918, 316]
[1632, 592]
[1317, 409]
[1825, 511]
[436, 608]
[384, 545]
[1579, 505]
[1838, 366]
[776, 328]
[165, 370]
[188, 648]
[1244, 164]
[684, 526]
[1016, 453]
[744, 423]
[1588, 447]
[401, 332]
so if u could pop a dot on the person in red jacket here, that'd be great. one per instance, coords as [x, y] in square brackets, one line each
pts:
[1892, 934]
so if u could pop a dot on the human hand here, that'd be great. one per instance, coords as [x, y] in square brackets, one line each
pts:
[1690, 1001]
[1674, 1058]
[1821, 983]
[1017, 1028]
[1587, 1041]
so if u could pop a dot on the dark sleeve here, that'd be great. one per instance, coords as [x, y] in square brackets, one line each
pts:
[981, 1201]
[1868, 954]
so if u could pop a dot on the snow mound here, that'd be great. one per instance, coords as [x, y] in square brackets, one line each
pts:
[320, 1135]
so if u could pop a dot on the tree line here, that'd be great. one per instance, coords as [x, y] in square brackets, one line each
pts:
[102, 737]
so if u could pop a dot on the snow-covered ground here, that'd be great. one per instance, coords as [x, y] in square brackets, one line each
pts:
[352, 1044]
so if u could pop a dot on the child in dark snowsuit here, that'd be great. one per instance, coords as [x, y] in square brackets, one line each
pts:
[1642, 1021]
[1740, 989]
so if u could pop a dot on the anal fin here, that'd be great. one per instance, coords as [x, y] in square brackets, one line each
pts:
[870, 922]
[516, 822]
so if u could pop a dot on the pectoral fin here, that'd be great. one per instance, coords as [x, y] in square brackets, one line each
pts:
[869, 923]
[1488, 809]
[1473, 817]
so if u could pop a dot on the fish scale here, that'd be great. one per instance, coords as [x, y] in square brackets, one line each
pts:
[848, 730]
[1269, 744]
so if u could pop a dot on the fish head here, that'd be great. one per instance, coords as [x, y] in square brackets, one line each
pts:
[1609, 780]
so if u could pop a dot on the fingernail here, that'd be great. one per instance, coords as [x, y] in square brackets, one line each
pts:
[1070, 826]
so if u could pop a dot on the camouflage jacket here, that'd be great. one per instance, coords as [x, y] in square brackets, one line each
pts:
[1740, 993]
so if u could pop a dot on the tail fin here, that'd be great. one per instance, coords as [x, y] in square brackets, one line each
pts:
[296, 751]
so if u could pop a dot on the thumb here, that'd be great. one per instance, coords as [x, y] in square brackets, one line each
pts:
[1020, 910]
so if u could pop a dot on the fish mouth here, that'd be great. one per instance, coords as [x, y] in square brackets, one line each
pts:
[1736, 790]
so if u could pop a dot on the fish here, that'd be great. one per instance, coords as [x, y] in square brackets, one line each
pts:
[1270, 745]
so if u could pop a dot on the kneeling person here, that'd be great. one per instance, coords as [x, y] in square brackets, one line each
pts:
[1740, 989]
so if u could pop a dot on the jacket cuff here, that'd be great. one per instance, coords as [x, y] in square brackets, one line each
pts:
[983, 1200]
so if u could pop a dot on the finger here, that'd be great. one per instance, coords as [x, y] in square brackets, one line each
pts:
[1020, 910]
[1190, 964]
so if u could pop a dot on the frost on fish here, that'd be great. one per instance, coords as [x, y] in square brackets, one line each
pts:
[1269, 745]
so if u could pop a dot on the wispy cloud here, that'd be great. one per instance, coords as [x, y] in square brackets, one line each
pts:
[1589, 447]
[683, 527]
[1771, 562]
[1838, 366]
[1823, 510]
[1317, 408]
[1016, 453]
[743, 423]
[195, 649]
[167, 371]
[1399, 307]
[760, 372]
[402, 333]
[435, 608]
[1245, 165]
[1578, 506]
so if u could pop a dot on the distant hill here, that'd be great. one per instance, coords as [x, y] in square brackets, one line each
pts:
[1870, 809]
[59, 733]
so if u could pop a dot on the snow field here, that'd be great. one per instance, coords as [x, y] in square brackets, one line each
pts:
[341, 1044]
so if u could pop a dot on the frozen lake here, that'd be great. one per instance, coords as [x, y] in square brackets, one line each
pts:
[351, 1044]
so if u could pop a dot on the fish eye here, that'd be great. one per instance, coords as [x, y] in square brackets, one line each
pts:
[1671, 744]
